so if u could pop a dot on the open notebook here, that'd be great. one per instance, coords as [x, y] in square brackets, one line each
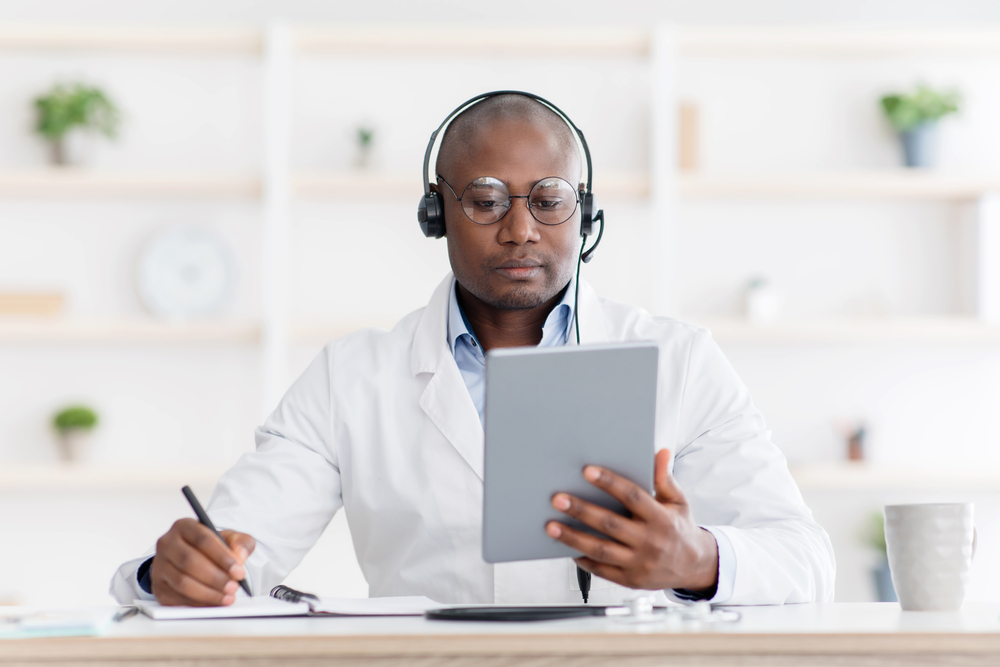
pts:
[263, 607]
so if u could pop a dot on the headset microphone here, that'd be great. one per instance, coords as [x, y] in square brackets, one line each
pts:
[589, 255]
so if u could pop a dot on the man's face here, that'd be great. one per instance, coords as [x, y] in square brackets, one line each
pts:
[517, 262]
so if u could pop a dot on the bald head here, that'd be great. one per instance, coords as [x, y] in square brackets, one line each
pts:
[462, 135]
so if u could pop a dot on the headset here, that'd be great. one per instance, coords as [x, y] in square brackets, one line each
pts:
[430, 211]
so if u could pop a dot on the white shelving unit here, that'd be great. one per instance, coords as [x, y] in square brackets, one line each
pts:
[55, 479]
[813, 42]
[839, 476]
[857, 476]
[126, 330]
[406, 187]
[664, 48]
[86, 184]
[133, 39]
[82, 183]
[943, 330]
[896, 184]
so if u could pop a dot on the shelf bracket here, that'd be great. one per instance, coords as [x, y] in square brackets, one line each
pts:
[988, 258]
[277, 196]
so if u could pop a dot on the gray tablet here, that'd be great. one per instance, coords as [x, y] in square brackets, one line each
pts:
[550, 412]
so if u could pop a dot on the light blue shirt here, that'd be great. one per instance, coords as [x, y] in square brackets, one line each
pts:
[556, 331]
[469, 353]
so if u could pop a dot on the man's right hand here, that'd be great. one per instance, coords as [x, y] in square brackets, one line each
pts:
[192, 567]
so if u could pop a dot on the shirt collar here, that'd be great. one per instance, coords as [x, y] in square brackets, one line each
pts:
[555, 331]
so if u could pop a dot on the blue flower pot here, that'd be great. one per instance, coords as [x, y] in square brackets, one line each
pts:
[920, 145]
[884, 589]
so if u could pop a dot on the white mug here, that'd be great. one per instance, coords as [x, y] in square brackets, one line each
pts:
[930, 549]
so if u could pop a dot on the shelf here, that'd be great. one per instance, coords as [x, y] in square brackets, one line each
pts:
[470, 41]
[320, 332]
[963, 331]
[895, 184]
[604, 42]
[78, 182]
[120, 330]
[158, 477]
[858, 476]
[400, 186]
[132, 39]
[154, 477]
[27, 330]
[804, 41]
[391, 185]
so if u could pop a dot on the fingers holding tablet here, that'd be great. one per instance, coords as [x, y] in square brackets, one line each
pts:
[659, 547]
[609, 523]
[604, 551]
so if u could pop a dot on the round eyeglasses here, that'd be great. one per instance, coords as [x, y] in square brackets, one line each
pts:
[551, 201]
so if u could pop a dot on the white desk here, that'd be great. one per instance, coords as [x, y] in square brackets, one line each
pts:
[852, 635]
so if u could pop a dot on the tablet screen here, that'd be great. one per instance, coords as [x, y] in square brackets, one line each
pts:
[550, 412]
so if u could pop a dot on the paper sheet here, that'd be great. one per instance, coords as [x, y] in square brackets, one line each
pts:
[414, 605]
[255, 607]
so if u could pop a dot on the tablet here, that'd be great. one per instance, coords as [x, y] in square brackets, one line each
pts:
[549, 412]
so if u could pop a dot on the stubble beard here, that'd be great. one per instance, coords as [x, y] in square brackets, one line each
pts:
[519, 296]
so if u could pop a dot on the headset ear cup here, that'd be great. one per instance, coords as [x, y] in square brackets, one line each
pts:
[431, 216]
[587, 210]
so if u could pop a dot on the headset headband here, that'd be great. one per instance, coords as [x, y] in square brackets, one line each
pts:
[479, 98]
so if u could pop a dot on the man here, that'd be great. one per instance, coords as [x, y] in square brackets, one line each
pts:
[388, 425]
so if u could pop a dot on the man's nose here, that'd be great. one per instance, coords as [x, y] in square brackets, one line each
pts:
[519, 226]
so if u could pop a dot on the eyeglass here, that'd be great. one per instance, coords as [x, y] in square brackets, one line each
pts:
[551, 201]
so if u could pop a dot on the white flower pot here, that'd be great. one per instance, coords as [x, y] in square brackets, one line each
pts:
[73, 445]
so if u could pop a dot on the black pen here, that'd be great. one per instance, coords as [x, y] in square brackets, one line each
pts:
[205, 521]
[583, 578]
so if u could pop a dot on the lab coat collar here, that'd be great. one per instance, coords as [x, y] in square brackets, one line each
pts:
[446, 400]
[430, 340]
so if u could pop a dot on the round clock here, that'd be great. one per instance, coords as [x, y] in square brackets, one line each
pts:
[185, 273]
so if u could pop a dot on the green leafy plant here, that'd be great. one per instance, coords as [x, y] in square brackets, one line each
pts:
[74, 418]
[74, 106]
[366, 136]
[874, 533]
[923, 105]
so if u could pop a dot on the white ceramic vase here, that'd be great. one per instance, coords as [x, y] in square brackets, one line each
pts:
[72, 444]
[930, 549]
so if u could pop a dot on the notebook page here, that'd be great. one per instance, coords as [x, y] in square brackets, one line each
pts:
[414, 605]
[255, 607]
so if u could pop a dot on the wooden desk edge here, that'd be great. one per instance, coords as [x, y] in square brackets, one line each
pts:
[234, 647]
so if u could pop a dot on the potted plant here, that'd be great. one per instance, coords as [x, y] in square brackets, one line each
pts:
[74, 425]
[73, 107]
[874, 537]
[365, 139]
[915, 117]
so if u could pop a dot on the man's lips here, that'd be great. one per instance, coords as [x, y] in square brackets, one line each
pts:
[520, 268]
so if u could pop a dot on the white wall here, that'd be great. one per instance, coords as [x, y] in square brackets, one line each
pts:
[515, 12]
[929, 404]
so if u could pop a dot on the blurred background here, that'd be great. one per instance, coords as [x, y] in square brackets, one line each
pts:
[195, 196]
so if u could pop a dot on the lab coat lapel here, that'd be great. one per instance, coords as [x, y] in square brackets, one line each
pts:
[446, 400]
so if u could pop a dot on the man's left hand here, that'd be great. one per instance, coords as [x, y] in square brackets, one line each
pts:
[659, 547]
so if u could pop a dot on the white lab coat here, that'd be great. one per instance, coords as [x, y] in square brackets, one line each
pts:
[382, 424]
